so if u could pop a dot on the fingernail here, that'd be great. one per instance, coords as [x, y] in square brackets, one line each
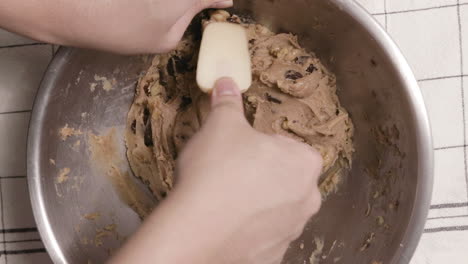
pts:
[226, 87]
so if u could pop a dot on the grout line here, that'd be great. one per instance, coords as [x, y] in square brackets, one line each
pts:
[445, 229]
[13, 177]
[23, 45]
[447, 217]
[21, 241]
[442, 78]
[420, 9]
[450, 147]
[450, 205]
[3, 220]
[19, 230]
[21, 252]
[460, 42]
[15, 112]
[386, 15]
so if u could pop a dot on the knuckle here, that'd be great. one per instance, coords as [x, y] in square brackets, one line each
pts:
[297, 232]
[168, 43]
[313, 203]
[316, 157]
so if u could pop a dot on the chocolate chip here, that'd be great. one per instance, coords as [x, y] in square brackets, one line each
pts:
[311, 68]
[148, 137]
[162, 78]
[170, 67]
[182, 64]
[373, 62]
[301, 59]
[273, 99]
[133, 127]
[252, 41]
[146, 88]
[337, 112]
[293, 75]
[163, 194]
[186, 101]
[182, 137]
[146, 115]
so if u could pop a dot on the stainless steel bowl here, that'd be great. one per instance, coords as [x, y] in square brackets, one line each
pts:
[380, 210]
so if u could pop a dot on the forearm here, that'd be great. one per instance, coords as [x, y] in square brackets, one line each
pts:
[93, 24]
[122, 26]
[48, 20]
[178, 231]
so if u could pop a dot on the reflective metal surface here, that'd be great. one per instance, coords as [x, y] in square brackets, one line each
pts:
[378, 213]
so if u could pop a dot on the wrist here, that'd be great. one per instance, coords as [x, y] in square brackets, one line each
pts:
[180, 230]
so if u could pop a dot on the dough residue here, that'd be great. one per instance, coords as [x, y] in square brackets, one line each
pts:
[107, 84]
[92, 216]
[102, 233]
[315, 255]
[292, 94]
[66, 132]
[63, 175]
[104, 153]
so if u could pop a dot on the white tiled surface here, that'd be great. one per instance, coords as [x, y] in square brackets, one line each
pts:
[449, 164]
[428, 32]
[372, 6]
[398, 6]
[435, 48]
[13, 135]
[22, 65]
[436, 94]
[441, 248]
[381, 20]
[21, 69]
[7, 39]
[464, 30]
[19, 210]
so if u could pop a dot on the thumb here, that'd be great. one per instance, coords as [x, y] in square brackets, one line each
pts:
[226, 95]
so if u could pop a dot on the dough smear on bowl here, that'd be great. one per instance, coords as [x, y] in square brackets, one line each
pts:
[292, 94]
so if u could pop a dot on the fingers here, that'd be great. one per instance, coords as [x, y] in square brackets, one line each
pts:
[317, 159]
[177, 30]
[313, 203]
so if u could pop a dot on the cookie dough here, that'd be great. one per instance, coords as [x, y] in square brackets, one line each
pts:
[292, 94]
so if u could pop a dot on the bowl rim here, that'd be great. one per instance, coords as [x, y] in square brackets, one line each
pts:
[33, 156]
[424, 143]
[421, 204]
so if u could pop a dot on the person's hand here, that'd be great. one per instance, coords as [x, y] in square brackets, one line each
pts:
[240, 196]
[123, 26]
[255, 192]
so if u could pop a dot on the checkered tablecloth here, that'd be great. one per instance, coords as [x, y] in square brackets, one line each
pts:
[433, 35]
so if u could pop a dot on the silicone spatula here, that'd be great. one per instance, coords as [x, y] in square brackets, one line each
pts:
[224, 52]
